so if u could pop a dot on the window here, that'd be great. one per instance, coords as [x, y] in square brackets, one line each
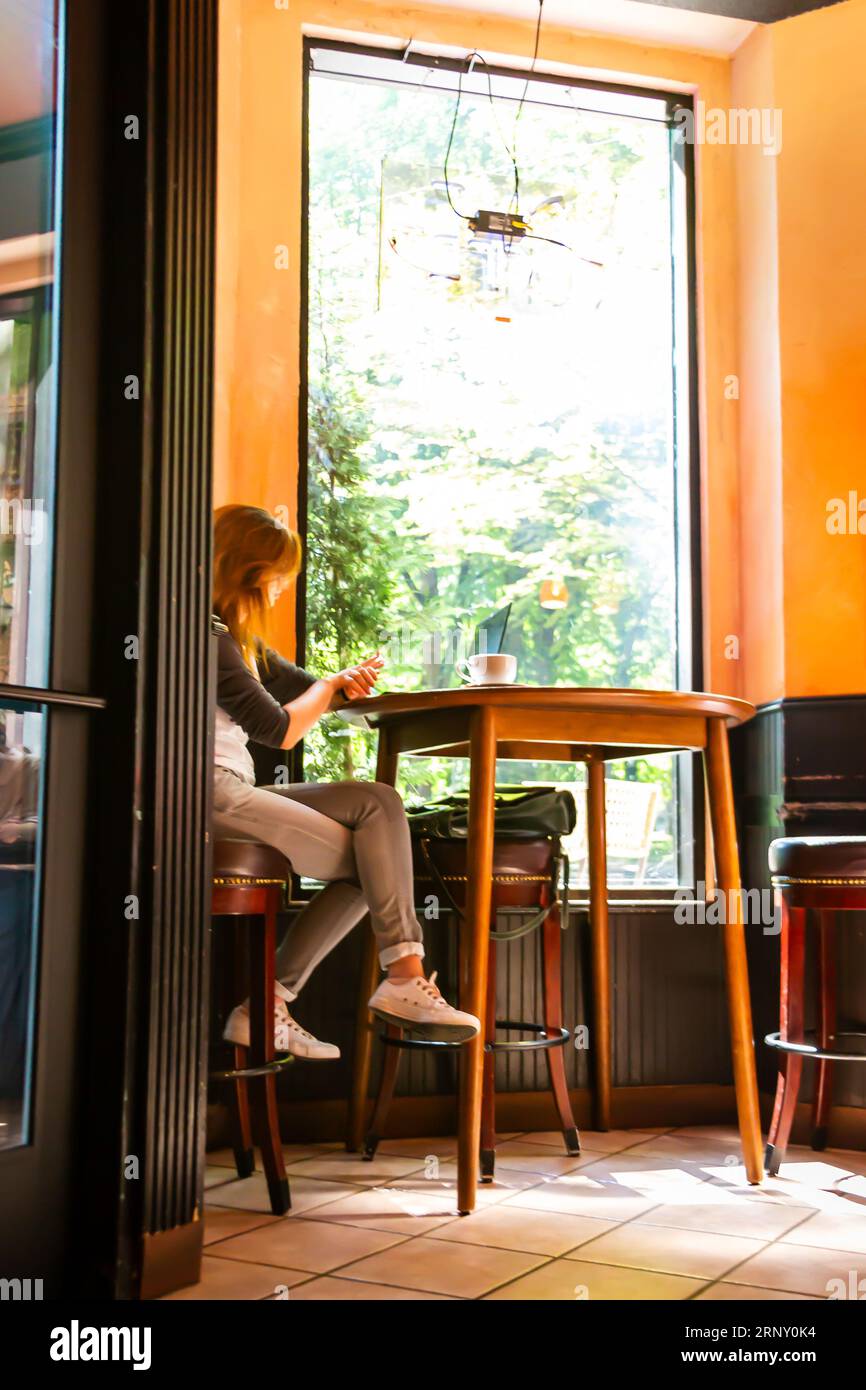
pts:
[497, 418]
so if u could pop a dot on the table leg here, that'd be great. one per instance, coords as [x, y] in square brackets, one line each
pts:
[727, 859]
[598, 925]
[386, 771]
[474, 954]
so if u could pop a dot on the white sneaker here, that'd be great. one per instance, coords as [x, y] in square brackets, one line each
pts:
[289, 1036]
[417, 1005]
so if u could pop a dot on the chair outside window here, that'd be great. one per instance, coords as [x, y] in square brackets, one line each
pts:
[631, 809]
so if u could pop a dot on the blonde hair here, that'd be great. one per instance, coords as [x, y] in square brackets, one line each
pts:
[250, 549]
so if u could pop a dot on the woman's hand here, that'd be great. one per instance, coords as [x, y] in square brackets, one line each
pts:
[356, 682]
[330, 693]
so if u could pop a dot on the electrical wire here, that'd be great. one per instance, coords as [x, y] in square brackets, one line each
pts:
[457, 213]
[520, 109]
[511, 150]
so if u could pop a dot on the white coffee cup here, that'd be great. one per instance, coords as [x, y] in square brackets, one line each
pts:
[487, 668]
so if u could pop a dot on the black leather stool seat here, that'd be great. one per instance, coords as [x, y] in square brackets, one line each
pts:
[819, 859]
[248, 859]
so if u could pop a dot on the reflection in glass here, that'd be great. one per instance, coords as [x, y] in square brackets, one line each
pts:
[28, 251]
[30, 143]
[21, 738]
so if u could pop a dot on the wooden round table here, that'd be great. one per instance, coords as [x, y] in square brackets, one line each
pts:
[562, 724]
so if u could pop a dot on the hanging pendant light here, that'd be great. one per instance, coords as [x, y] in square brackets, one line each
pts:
[553, 594]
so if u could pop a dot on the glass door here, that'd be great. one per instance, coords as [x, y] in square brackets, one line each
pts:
[45, 601]
[30, 147]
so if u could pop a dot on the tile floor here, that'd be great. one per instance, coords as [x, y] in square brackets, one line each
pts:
[639, 1214]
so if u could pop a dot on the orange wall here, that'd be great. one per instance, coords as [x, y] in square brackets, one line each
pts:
[258, 305]
[821, 87]
[762, 637]
[802, 282]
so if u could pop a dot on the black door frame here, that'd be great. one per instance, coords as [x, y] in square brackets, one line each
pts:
[121, 1027]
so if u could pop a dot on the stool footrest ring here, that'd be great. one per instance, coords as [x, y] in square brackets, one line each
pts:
[808, 1049]
[409, 1043]
[558, 1038]
[239, 1073]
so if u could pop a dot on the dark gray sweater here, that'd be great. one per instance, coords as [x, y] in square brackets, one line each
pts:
[257, 706]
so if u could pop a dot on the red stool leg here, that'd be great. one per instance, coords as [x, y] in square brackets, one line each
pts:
[263, 1089]
[826, 1011]
[551, 975]
[488, 1084]
[791, 1030]
[387, 1082]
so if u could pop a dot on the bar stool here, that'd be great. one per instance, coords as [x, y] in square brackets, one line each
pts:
[249, 881]
[826, 876]
[526, 874]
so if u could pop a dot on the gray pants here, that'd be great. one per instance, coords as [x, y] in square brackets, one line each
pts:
[353, 836]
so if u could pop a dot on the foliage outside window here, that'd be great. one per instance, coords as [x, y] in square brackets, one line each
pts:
[482, 419]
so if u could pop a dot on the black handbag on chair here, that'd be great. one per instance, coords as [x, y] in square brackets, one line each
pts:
[528, 826]
[528, 812]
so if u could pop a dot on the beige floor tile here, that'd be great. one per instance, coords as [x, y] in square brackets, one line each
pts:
[506, 1227]
[593, 1141]
[569, 1280]
[742, 1293]
[853, 1160]
[803, 1168]
[221, 1222]
[340, 1166]
[316, 1246]
[582, 1196]
[234, 1280]
[733, 1182]
[649, 1172]
[440, 1146]
[466, 1271]
[224, 1158]
[799, 1269]
[538, 1158]
[251, 1194]
[216, 1176]
[690, 1149]
[837, 1231]
[419, 1149]
[731, 1217]
[394, 1207]
[440, 1194]
[699, 1255]
[726, 1134]
[335, 1290]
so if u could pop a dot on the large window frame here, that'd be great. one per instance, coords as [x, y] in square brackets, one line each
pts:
[687, 444]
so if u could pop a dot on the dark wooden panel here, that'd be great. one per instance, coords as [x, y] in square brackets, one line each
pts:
[183, 39]
[800, 769]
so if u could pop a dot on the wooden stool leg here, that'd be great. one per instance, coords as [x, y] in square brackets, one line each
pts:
[473, 967]
[241, 1131]
[239, 1103]
[826, 1011]
[364, 1029]
[386, 771]
[598, 922]
[488, 1088]
[387, 1082]
[551, 975]
[727, 858]
[263, 1089]
[791, 991]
